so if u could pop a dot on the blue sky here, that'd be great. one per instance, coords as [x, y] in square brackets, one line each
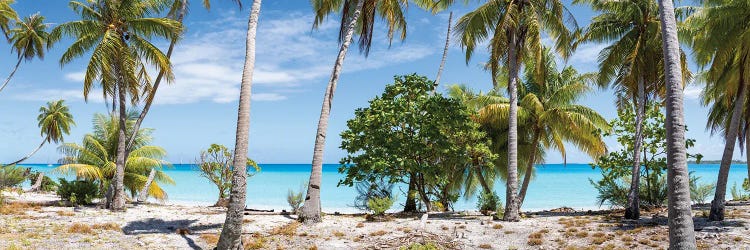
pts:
[292, 69]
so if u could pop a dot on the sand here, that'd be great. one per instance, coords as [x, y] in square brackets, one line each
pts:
[25, 224]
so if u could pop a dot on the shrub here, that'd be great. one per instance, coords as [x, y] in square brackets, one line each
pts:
[367, 190]
[700, 192]
[78, 192]
[488, 203]
[295, 199]
[48, 185]
[737, 194]
[420, 246]
[215, 164]
[12, 176]
[379, 205]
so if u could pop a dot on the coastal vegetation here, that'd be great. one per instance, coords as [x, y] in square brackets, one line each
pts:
[413, 141]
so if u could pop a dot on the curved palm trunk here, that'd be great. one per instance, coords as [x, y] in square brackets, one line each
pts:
[152, 93]
[7, 80]
[231, 233]
[483, 182]
[445, 52]
[310, 212]
[143, 195]
[717, 205]
[633, 211]
[681, 231]
[38, 183]
[511, 210]
[529, 170]
[30, 154]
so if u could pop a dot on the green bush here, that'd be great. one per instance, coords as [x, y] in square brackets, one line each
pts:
[78, 192]
[295, 199]
[699, 193]
[11, 176]
[419, 246]
[488, 203]
[378, 205]
[740, 195]
[48, 185]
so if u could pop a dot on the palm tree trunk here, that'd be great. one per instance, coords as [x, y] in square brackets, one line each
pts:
[231, 234]
[310, 212]
[747, 154]
[483, 182]
[529, 169]
[681, 231]
[633, 211]
[118, 198]
[143, 195]
[38, 184]
[152, 93]
[445, 52]
[30, 154]
[717, 205]
[7, 80]
[411, 203]
[511, 210]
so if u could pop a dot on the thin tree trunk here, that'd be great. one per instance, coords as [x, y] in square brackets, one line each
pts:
[143, 195]
[747, 154]
[529, 169]
[511, 199]
[152, 93]
[423, 194]
[632, 211]
[118, 198]
[30, 154]
[231, 234]
[681, 231]
[7, 80]
[483, 182]
[38, 184]
[445, 52]
[411, 203]
[311, 210]
[717, 205]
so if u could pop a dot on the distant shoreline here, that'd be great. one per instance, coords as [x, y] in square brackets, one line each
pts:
[716, 162]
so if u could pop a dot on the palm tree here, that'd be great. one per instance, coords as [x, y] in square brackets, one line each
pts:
[632, 63]
[719, 35]
[681, 231]
[29, 39]
[231, 233]
[7, 16]
[514, 29]
[94, 158]
[117, 33]
[549, 98]
[356, 16]
[55, 121]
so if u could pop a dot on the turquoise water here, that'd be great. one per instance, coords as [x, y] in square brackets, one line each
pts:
[555, 185]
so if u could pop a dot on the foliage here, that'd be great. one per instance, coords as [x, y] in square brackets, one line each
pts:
[487, 203]
[295, 199]
[700, 192]
[420, 246]
[48, 184]
[743, 194]
[216, 164]
[409, 133]
[79, 192]
[94, 158]
[616, 166]
[11, 176]
[367, 190]
[378, 205]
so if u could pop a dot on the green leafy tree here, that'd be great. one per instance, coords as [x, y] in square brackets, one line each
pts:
[116, 34]
[615, 165]
[94, 158]
[55, 121]
[514, 29]
[216, 165]
[407, 133]
[29, 39]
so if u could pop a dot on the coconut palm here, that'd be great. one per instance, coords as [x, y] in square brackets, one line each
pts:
[29, 39]
[719, 36]
[117, 34]
[7, 16]
[681, 231]
[356, 16]
[94, 159]
[514, 29]
[231, 233]
[631, 64]
[55, 121]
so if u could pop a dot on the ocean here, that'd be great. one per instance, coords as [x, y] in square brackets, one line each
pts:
[555, 185]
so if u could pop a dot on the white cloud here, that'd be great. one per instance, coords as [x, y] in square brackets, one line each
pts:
[57, 94]
[268, 97]
[692, 92]
[587, 53]
[75, 76]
